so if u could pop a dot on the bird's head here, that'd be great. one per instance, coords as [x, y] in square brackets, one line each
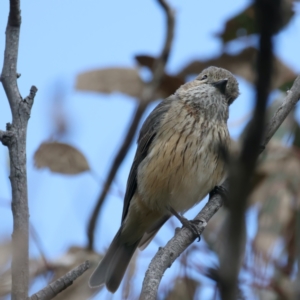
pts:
[222, 79]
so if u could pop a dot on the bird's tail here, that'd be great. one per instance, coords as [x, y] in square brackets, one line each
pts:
[112, 267]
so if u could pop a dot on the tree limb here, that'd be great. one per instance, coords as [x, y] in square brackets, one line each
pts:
[56, 287]
[147, 96]
[285, 108]
[241, 169]
[15, 139]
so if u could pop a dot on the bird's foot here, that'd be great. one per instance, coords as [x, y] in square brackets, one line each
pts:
[219, 190]
[190, 224]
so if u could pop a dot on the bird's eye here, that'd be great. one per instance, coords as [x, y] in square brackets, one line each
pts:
[204, 77]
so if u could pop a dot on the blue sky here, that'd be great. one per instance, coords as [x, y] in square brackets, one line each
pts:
[59, 39]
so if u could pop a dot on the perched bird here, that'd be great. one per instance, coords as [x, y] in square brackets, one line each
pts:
[177, 163]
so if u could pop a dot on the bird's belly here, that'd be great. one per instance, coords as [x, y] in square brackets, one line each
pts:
[179, 172]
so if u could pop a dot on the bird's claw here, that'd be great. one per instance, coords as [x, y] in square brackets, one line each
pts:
[219, 190]
[193, 226]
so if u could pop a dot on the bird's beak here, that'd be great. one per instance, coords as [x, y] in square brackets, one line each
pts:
[221, 85]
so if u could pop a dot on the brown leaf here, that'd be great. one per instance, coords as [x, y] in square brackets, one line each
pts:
[169, 83]
[60, 158]
[243, 24]
[242, 64]
[123, 80]
[146, 61]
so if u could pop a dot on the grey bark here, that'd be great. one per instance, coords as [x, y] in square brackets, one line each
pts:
[15, 139]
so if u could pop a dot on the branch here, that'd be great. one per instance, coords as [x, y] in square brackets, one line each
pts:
[285, 108]
[146, 98]
[241, 169]
[56, 287]
[165, 256]
[15, 139]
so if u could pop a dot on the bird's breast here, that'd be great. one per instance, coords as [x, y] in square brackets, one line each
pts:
[184, 161]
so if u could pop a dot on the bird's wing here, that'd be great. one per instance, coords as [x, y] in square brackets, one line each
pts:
[147, 134]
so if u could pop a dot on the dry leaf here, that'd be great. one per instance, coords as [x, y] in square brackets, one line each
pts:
[169, 83]
[122, 80]
[60, 158]
[242, 64]
[243, 24]
[146, 61]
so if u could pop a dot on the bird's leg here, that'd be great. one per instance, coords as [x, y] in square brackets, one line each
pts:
[191, 224]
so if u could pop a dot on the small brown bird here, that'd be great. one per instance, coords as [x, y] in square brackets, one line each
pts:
[177, 163]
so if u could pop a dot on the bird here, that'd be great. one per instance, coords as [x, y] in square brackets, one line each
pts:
[178, 161]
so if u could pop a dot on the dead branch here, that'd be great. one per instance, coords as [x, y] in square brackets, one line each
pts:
[147, 96]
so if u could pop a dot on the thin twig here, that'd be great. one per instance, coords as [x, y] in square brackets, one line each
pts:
[15, 139]
[56, 287]
[147, 96]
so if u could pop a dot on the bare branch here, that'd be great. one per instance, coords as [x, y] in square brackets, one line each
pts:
[56, 287]
[146, 98]
[15, 139]
[283, 111]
